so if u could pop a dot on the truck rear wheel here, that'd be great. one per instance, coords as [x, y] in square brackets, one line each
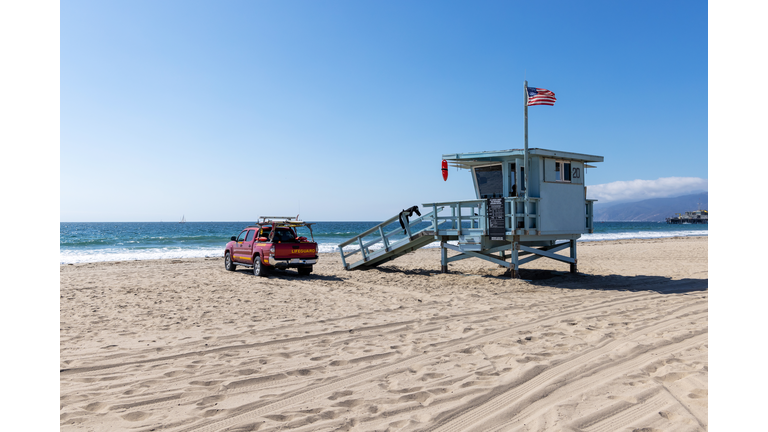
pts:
[258, 268]
[304, 271]
[228, 264]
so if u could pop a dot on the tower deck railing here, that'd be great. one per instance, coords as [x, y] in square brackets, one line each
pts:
[519, 218]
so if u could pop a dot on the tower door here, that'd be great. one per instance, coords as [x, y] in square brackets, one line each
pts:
[512, 179]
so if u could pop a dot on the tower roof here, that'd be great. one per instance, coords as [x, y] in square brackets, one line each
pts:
[468, 160]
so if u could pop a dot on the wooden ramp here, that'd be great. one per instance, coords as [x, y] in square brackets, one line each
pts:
[375, 247]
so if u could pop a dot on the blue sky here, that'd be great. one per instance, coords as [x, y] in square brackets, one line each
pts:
[341, 110]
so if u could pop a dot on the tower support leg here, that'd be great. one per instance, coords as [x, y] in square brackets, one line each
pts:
[573, 255]
[513, 264]
[443, 258]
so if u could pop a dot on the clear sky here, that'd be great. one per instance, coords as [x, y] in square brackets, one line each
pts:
[341, 110]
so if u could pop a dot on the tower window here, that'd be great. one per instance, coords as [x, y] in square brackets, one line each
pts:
[562, 171]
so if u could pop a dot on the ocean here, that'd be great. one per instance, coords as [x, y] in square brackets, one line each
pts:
[81, 242]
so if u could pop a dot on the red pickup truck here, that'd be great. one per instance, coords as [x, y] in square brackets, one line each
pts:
[272, 243]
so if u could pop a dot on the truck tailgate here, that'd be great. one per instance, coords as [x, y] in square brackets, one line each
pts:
[295, 250]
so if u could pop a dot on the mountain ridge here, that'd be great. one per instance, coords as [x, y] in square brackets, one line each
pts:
[651, 210]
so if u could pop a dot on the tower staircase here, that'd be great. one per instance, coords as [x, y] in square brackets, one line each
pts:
[375, 246]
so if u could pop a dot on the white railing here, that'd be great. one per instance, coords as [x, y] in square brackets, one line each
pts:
[521, 217]
[455, 213]
[384, 241]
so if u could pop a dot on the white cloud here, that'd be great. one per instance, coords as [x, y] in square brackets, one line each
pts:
[636, 190]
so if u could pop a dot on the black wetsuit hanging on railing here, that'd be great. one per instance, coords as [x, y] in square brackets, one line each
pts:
[405, 214]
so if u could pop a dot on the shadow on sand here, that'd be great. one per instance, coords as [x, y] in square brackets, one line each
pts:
[290, 274]
[659, 284]
[583, 281]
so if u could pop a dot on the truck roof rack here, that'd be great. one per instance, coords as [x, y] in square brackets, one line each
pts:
[282, 220]
[264, 218]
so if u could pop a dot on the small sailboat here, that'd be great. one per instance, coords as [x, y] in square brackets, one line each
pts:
[183, 220]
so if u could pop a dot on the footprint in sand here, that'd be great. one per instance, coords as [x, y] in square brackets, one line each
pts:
[210, 412]
[330, 415]
[340, 394]
[420, 397]
[136, 416]
[350, 403]
[431, 376]
[667, 415]
[205, 383]
[211, 399]
[300, 372]
[398, 424]
[96, 406]
[319, 358]
[246, 371]
[279, 417]
[673, 376]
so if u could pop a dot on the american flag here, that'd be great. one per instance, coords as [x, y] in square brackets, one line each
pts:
[540, 96]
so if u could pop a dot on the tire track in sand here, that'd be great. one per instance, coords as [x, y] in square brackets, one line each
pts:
[668, 288]
[622, 414]
[333, 384]
[522, 401]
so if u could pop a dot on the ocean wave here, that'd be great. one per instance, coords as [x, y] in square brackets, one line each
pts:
[642, 235]
[77, 256]
[121, 254]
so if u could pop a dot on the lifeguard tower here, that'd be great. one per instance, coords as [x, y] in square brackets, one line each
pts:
[517, 216]
[531, 212]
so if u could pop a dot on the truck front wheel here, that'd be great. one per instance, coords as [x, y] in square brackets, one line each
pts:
[228, 264]
[258, 268]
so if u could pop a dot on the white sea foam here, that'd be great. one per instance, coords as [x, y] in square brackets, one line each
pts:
[86, 256]
[642, 235]
[127, 254]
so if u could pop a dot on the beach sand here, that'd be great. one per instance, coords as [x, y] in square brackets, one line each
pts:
[184, 345]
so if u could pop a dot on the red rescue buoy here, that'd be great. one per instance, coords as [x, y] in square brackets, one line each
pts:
[445, 170]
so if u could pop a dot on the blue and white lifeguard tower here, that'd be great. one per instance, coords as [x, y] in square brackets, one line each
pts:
[519, 214]
[511, 222]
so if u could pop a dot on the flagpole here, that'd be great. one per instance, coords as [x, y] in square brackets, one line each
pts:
[525, 153]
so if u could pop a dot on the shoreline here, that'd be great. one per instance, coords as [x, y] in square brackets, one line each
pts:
[431, 246]
[185, 344]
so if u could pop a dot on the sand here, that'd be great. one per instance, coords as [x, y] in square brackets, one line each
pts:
[184, 345]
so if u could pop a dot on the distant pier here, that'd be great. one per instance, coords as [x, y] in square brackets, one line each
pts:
[691, 217]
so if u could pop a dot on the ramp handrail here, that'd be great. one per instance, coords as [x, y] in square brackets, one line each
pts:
[383, 237]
